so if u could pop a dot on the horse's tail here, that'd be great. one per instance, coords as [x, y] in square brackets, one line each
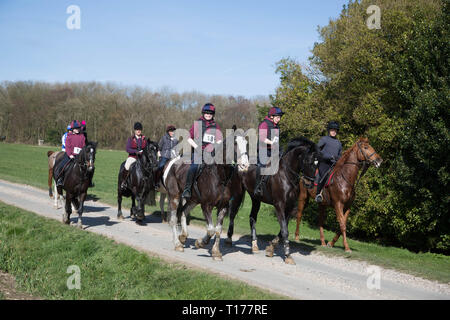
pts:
[49, 153]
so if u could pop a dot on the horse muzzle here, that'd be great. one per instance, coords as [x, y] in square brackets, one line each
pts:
[377, 162]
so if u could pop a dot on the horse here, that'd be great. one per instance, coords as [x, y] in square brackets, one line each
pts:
[211, 189]
[76, 181]
[340, 192]
[140, 182]
[281, 191]
[52, 155]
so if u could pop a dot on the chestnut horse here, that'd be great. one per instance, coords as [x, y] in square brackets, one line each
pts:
[340, 192]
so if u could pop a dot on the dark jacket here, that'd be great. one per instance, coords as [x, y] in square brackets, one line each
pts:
[166, 145]
[331, 149]
[135, 145]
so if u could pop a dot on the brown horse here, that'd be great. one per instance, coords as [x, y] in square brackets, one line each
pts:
[340, 192]
[211, 190]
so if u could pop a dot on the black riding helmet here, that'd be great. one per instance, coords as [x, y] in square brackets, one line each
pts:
[333, 125]
[137, 126]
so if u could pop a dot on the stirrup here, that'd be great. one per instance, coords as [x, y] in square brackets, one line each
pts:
[319, 197]
[186, 194]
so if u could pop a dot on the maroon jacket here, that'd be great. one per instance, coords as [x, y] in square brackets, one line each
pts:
[135, 145]
[74, 141]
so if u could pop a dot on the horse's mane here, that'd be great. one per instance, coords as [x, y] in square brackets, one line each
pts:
[299, 142]
[347, 153]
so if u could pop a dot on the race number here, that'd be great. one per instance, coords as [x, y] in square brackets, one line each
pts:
[209, 138]
[76, 150]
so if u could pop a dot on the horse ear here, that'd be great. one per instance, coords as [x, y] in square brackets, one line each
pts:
[363, 139]
[234, 127]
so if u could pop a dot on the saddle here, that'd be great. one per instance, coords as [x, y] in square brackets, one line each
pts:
[196, 176]
[328, 176]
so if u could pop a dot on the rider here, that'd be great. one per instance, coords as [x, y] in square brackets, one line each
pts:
[331, 149]
[64, 137]
[166, 151]
[211, 135]
[135, 147]
[74, 143]
[266, 141]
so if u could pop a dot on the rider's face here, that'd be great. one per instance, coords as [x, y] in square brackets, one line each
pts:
[333, 133]
[138, 132]
[208, 116]
[171, 133]
[276, 119]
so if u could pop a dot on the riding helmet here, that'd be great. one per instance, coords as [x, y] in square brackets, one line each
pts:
[209, 108]
[170, 128]
[75, 125]
[333, 125]
[137, 126]
[274, 111]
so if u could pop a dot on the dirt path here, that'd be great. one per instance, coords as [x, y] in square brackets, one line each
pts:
[314, 276]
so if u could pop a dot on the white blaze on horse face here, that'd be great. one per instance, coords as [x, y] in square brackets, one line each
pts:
[243, 162]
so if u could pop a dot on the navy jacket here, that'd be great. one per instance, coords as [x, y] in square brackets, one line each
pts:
[331, 148]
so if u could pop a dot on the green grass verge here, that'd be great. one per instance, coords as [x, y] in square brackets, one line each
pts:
[28, 164]
[38, 252]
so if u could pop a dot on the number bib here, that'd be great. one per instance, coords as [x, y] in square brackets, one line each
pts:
[76, 150]
[209, 138]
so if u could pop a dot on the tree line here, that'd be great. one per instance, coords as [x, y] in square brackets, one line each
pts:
[36, 110]
[392, 86]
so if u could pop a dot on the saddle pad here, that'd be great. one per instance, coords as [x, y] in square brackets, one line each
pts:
[329, 179]
[166, 171]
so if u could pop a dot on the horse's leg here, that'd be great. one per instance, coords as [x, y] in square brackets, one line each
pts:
[256, 204]
[207, 213]
[184, 233]
[216, 254]
[322, 210]
[133, 205]
[162, 199]
[80, 210]
[68, 210]
[302, 198]
[140, 215]
[233, 209]
[119, 204]
[56, 196]
[173, 221]
[342, 219]
[50, 182]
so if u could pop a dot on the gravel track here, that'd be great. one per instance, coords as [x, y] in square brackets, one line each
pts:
[315, 276]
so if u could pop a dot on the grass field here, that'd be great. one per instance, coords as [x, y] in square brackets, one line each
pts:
[28, 164]
[38, 252]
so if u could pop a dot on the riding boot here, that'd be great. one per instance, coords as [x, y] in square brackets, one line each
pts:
[189, 181]
[125, 174]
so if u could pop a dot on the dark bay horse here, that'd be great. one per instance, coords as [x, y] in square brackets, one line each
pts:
[212, 189]
[140, 181]
[341, 191]
[281, 191]
[77, 180]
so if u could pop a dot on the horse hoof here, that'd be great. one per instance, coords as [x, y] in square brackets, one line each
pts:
[255, 248]
[289, 260]
[228, 242]
[329, 245]
[182, 238]
[179, 248]
[269, 251]
[120, 217]
[217, 257]
[348, 251]
[297, 238]
[199, 244]
[80, 226]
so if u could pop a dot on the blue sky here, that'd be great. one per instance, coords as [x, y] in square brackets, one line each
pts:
[214, 47]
